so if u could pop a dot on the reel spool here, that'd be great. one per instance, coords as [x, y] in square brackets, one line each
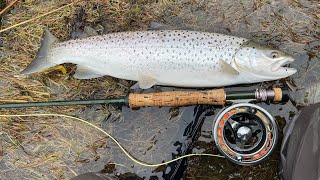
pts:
[245, 133]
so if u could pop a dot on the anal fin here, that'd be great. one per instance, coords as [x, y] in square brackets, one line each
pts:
[83, 72]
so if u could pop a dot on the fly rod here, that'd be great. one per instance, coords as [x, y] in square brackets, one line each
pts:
[171, 98]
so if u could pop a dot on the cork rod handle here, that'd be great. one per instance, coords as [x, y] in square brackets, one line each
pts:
[178, 98]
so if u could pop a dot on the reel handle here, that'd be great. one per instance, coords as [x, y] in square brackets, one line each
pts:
[178, 98]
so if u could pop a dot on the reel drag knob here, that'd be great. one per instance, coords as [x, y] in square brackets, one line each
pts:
[245, 133]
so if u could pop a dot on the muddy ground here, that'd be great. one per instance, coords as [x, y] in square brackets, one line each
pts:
[59, 148]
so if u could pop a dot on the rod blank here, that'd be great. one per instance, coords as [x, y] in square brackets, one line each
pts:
[172, 98]
[64, 103]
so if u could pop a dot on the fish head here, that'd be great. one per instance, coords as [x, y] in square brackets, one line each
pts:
[264, 62]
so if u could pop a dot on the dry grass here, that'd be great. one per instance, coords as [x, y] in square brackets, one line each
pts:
[54, 148]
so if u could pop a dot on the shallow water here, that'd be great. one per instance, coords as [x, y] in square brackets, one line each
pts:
[153, 135]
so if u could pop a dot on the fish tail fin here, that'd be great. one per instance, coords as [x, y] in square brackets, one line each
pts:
[40, 62]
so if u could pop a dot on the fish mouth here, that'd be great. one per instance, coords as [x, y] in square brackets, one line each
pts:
[282, 66]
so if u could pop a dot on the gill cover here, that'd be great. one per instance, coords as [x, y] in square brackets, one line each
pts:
[263, 62]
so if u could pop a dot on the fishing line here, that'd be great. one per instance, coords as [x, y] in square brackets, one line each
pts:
[110, 136]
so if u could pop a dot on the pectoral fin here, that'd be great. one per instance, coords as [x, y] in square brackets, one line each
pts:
[83, 72]
[227, 68]
[146, 81]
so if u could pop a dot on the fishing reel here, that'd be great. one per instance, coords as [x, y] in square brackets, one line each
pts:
[245, 133]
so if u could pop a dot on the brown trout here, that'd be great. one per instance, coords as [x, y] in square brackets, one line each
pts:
[167, 57]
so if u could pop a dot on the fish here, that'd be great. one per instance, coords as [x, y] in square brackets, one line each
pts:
[180, 58]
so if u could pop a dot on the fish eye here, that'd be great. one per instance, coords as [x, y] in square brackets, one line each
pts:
[274, 55]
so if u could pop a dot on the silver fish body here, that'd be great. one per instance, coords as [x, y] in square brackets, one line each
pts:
[168, 57]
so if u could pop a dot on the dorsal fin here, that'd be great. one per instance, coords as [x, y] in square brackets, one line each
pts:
[160, 26]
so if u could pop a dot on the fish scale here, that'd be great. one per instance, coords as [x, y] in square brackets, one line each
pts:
[168, 49]
[168, 57]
